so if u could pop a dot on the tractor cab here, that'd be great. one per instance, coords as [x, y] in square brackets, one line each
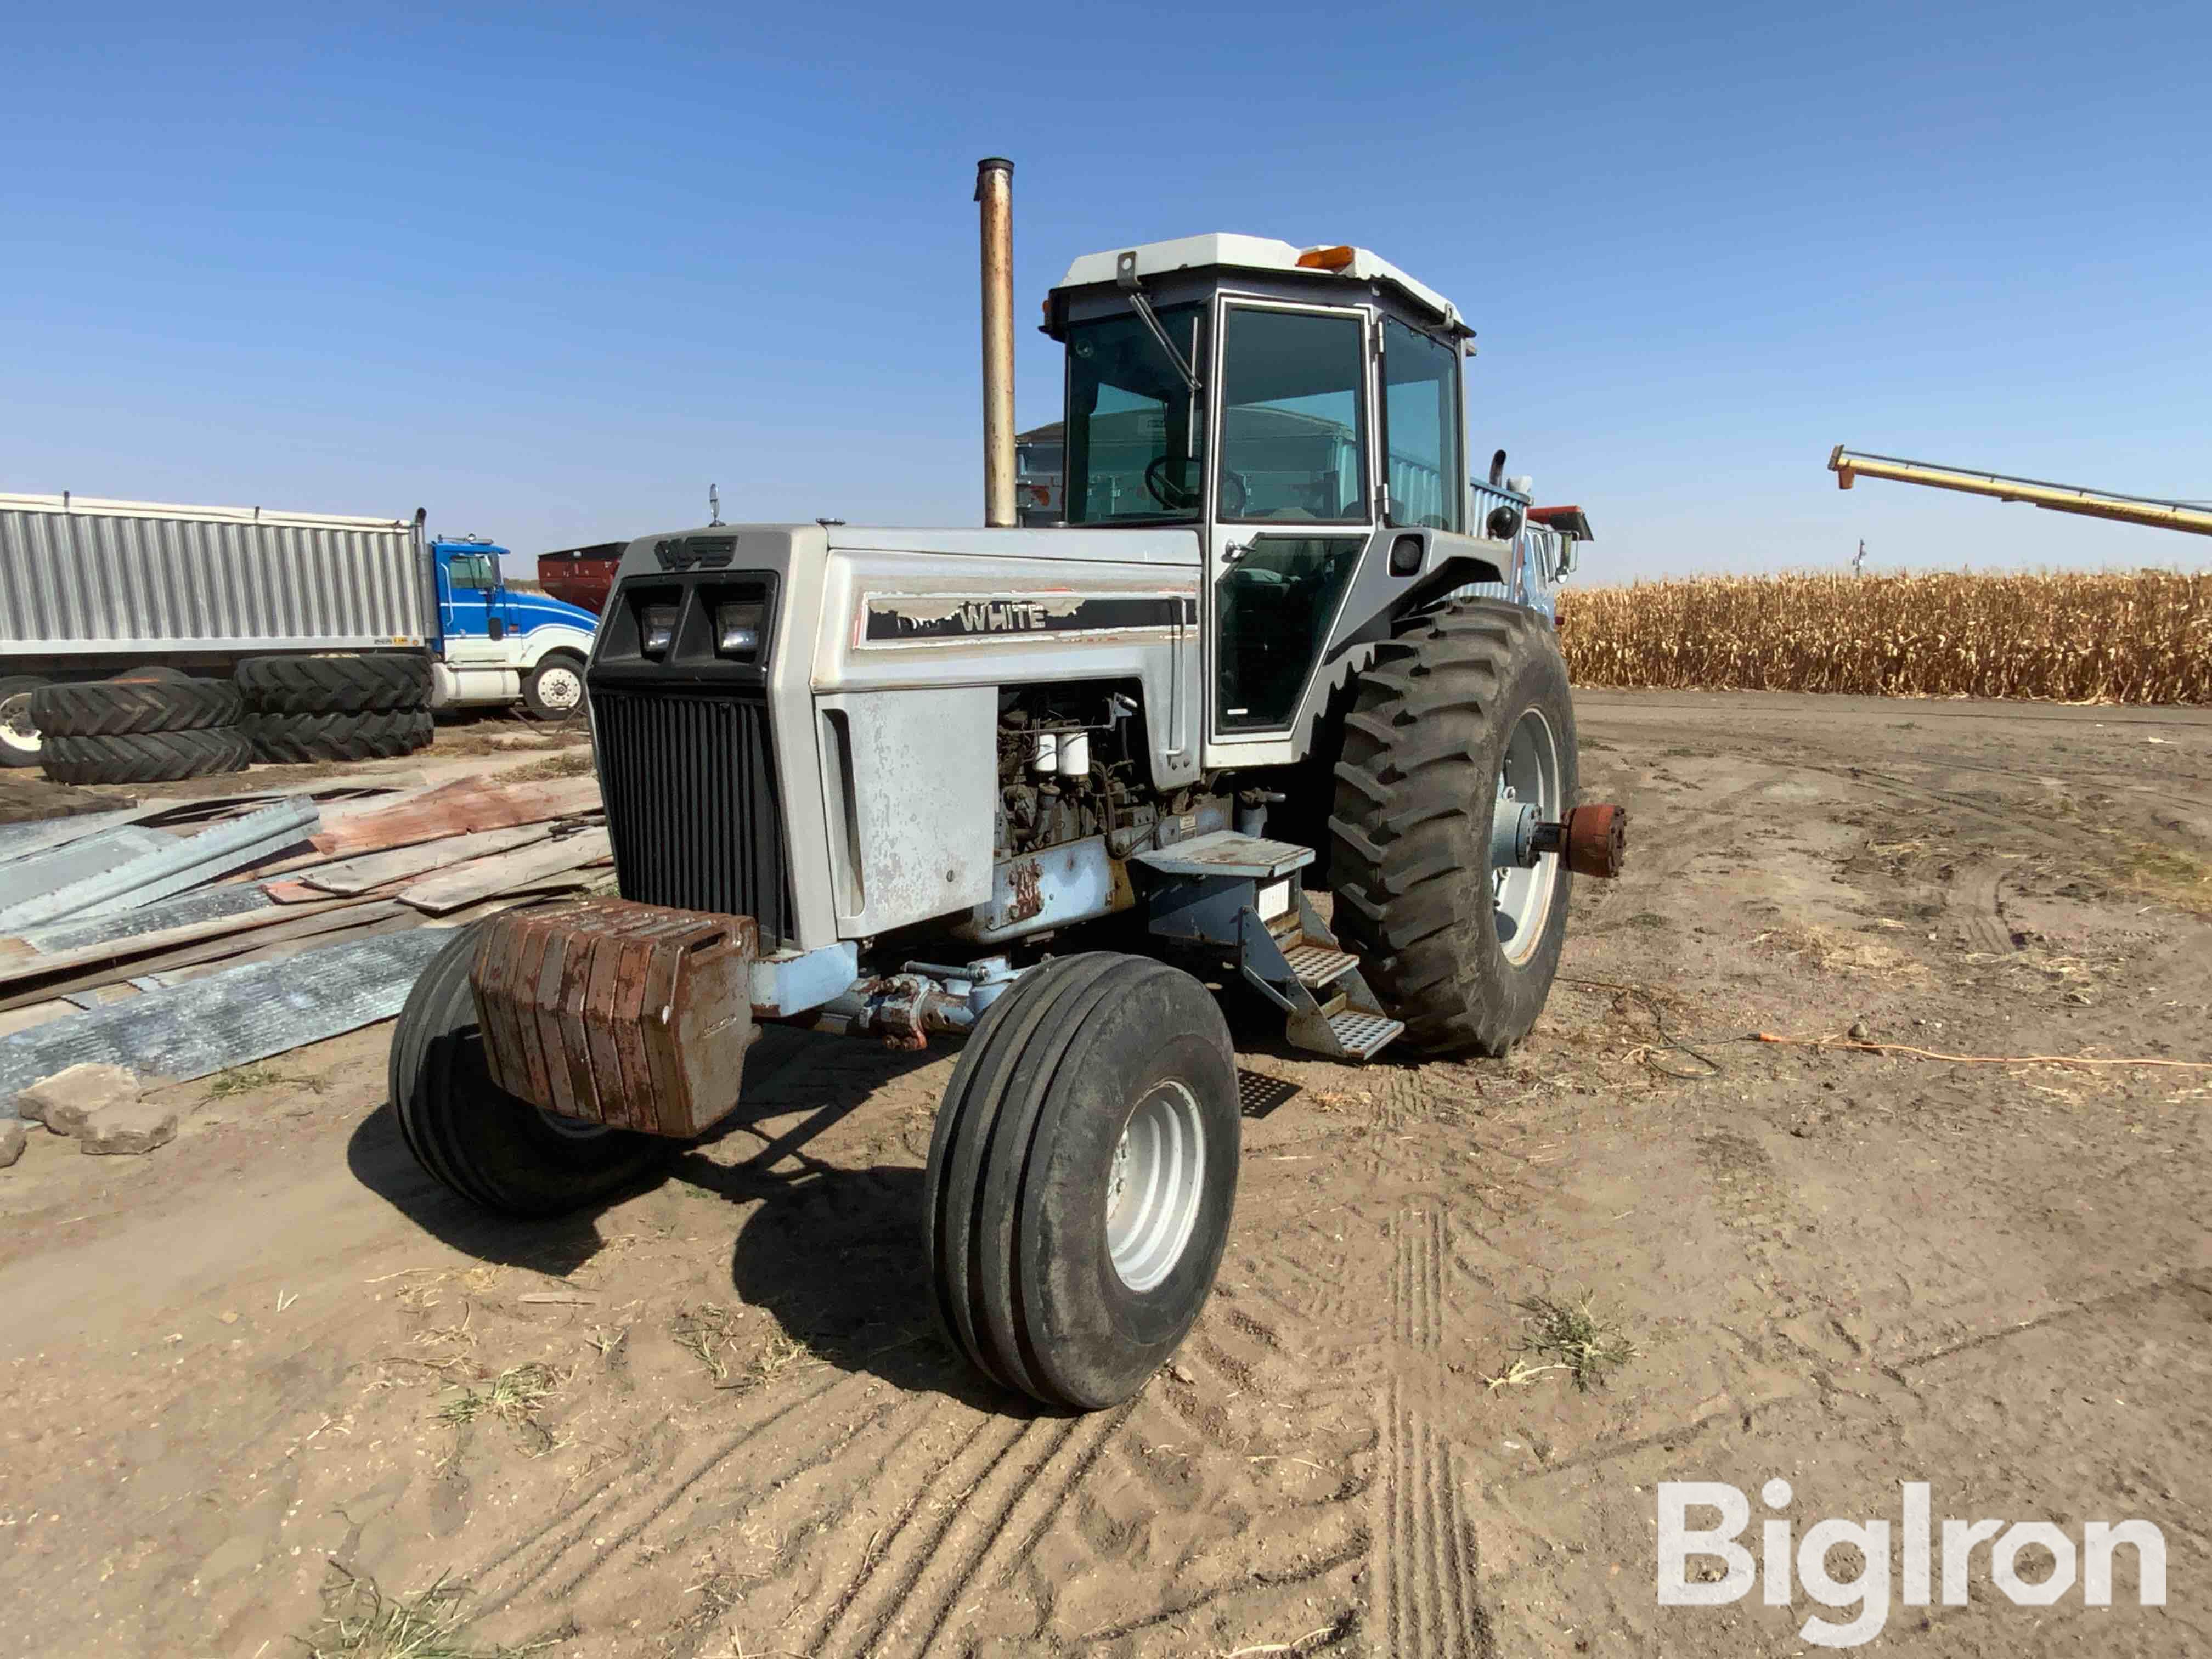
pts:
[1302, 412]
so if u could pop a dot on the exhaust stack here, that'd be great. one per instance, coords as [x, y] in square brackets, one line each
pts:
[994, 189]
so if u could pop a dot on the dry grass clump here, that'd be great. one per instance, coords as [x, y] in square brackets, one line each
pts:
[360, 1622]
[2143, 637]
[1591, 1345]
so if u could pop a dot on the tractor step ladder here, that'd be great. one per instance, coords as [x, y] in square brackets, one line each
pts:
[1241, 892]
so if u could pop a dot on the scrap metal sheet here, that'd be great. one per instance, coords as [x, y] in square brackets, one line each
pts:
[229, 1018]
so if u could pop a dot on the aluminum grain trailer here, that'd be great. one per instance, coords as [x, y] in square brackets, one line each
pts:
[302, 636]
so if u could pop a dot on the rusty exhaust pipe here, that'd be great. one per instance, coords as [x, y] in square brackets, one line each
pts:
[994, 189]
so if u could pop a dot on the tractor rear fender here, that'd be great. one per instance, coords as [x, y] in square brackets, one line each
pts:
[1402, 570]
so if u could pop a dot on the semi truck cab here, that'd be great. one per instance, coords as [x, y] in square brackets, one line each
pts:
[496, 644]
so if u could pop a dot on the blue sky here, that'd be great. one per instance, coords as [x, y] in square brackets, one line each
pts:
[551, 272]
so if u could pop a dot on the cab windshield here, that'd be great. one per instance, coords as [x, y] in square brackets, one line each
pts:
[1136, 442]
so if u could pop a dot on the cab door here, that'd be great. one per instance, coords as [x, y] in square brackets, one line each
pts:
[472, 607]
[1292, 507]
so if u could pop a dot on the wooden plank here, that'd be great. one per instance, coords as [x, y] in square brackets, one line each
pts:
[506, 872]
[401, 920]
[336, 916]
[37, 1013]
[471, 804]
[372, 870]
[22, 970]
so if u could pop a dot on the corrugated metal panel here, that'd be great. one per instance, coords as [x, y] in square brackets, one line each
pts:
[89, 582]
[230, 1017]
[1417, 492]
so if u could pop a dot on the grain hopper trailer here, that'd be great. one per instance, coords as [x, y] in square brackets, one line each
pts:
[1039, 787]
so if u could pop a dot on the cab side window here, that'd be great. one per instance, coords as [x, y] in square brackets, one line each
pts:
[1421, 429]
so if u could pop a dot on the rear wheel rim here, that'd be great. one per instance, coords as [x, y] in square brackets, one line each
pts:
[16, 729]
[1527, 772]
[1156, 1186]
[560, 688]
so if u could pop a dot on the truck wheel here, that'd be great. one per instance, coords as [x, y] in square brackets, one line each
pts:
[379, 683]
[494, 1149]
[1464, 707]
[145, 700]
[19, 733]
[291, 739]
[554, 691]
[1082, 1177]
[145, 756]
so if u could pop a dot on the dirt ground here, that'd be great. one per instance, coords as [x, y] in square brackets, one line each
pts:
[713, 1420]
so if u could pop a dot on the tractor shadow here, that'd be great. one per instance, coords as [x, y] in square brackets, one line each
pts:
[787, 1071]
[833, 1254]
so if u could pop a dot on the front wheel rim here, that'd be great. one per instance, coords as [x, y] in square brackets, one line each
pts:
[1527, 772]
[560, 688]
[1156, 1186]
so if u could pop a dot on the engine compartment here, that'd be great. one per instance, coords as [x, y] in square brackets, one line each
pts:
[1073, 762]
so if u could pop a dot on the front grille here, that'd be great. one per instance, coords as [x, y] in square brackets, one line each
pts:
[692, 805]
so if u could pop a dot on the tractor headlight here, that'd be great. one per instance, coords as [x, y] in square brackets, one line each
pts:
[738, 628]
[656, 629]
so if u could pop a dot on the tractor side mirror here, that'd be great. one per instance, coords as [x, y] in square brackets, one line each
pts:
[1566, 555]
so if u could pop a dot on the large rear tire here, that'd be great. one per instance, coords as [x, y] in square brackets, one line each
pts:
[145, 700]
[290, 740]
[378, 683]
[1082, 1177]
[1462, 706]
[494, 1149]
[145, 756]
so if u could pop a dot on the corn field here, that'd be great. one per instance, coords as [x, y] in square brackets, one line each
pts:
[2136, 636]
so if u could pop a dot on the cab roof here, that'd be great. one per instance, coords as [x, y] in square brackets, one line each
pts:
[1227, 250]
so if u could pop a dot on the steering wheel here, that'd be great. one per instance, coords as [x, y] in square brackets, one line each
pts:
[1180, 498]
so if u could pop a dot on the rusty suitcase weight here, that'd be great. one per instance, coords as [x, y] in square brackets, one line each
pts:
[632, 1016]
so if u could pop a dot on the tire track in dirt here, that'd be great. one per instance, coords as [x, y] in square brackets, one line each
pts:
[855, 1623]
[1424, 1593]
[649, 1486]
[1975, 898]
[1038, 1503]
[1420, 1249]
[1010, 1482]
[758, 1478]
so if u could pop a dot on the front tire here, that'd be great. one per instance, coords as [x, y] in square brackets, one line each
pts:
[494, 1149]
[554, 691]
[1082, 1177]
[1462, 706]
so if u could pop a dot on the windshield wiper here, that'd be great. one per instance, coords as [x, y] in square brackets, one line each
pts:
[1125, 277]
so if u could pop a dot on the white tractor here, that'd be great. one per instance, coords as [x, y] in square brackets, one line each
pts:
[903, 782]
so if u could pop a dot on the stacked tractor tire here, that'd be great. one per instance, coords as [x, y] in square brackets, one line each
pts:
[153, 724]
[335, 708]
